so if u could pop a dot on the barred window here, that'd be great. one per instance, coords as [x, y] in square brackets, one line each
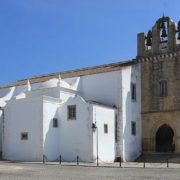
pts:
[133, 128]
[24, 136]
[71, 112]
[163, 88]
[133, 91]
[105, 129]
[55, 122]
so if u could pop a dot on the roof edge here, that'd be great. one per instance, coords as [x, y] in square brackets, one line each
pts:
[73, 73]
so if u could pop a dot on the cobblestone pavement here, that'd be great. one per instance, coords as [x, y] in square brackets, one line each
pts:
[33, 171]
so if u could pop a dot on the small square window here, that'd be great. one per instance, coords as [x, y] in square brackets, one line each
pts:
[133, 128]
[55, 122]
[105, 128]
[133, 91]
[24, 136]
[72, 112]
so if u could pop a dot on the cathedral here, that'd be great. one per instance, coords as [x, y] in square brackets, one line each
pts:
[101, 113]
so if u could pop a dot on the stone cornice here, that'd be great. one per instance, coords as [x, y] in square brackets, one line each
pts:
[157, 57]
[162, 111]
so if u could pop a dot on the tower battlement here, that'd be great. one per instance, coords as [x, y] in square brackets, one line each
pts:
[164, 37]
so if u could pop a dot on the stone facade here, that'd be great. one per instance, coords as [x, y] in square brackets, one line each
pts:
[160, 62]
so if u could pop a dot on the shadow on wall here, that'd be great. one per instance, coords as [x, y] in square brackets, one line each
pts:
[131, 141]
[71, 138]
[51, 141]
[127, 128]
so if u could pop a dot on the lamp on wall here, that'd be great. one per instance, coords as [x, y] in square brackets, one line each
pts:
[95, 129]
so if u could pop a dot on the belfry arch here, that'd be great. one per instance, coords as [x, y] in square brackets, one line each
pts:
[164, 139]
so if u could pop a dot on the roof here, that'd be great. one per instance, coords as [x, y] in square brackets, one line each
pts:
[72, 73]
[100, 104]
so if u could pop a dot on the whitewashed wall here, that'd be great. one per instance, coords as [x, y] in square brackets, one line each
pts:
[106, 142]
[103, 87]
[131, 145]
[111, 88]
[23, 116]
[65, 95]
[75, 136]
[50, 134]
[55, 92]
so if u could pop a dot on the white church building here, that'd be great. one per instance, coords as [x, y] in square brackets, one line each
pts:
[97, 113]
[53, 115]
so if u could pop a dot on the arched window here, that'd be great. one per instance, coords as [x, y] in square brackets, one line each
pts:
[163, 88]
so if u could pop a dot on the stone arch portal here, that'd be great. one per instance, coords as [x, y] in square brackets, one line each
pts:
[165, 139]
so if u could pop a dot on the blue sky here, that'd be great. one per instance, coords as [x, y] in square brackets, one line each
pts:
[45, 36]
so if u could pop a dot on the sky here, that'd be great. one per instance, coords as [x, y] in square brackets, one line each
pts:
[48, 36]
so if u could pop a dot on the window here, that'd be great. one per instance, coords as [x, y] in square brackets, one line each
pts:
[24, 136]
[133, 128]
[55, 122]
[72, 112]
[105, 128]
[133, 91]
[163, 88]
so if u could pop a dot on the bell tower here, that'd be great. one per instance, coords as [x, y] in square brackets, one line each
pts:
[164, 37]
[159, 58]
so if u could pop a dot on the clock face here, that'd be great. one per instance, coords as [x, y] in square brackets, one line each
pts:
[163, 46]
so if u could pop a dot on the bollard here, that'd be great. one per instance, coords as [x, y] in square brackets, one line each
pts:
[77, 160]
[60, 159]
[144, 163]
[167, 163]
[97, 161]
[120, 162]
[43, 159]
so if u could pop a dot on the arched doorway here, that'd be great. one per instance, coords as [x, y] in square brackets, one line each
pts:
[164, 139]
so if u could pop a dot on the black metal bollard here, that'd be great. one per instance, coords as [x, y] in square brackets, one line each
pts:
[78, 160]
[120, 164]
[144, 163]
[44, 159]
[97, 161]
[167, 163]
[60, 159]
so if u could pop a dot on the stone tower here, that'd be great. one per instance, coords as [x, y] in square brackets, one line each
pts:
[159, 56]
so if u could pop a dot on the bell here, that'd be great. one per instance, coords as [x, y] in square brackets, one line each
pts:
[178, 36]
[149, 34]
[162, 25]
[149, 38]
[164, 34]
[148, 42]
